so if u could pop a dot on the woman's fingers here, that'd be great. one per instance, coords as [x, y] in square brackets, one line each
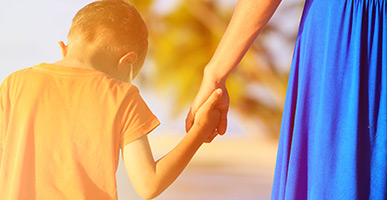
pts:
[189, 121]
[222, 124]
[211, 137]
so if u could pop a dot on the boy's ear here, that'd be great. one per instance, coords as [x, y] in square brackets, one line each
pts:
[63, 48]
[129, 58]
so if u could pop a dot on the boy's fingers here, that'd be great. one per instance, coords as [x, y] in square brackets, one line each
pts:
[213, 99]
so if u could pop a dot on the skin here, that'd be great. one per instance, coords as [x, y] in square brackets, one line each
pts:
[90, 56]
[248, 19]
[148, 177]
[151, 177]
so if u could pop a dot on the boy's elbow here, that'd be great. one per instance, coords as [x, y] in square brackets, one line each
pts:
[148, 197]
[148, 194]
[149, 191]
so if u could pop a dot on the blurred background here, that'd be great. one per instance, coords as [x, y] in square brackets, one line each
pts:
[183, 36]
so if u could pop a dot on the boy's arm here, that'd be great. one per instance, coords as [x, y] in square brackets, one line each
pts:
[150, 178]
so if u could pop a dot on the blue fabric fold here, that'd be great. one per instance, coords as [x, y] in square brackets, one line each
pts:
[333, 140]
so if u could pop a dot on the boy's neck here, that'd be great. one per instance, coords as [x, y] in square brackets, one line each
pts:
[88, 58]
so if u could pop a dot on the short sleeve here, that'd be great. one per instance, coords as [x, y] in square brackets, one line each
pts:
[138, 118]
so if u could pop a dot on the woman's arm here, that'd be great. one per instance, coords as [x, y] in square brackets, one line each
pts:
[248, 19]
[150, 178]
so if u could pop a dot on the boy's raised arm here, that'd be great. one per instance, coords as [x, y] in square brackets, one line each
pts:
[150, 178]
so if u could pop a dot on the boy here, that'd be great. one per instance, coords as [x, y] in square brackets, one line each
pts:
[62, 125]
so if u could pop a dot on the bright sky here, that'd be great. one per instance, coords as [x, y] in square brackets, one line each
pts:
[31, 30]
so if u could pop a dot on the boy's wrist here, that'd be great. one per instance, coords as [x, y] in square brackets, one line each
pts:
[199, 131]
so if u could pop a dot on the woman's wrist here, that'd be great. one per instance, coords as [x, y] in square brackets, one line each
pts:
[212, 75]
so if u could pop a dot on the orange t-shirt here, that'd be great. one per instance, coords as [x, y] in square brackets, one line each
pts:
[61, 130]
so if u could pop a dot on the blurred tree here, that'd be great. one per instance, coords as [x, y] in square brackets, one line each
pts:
[182, 42]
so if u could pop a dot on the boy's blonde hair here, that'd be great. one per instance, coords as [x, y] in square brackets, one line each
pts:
[115, 25]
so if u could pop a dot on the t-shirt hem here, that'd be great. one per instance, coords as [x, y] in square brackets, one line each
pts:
[142, 130]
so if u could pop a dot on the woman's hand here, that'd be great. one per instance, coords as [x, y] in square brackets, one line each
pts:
[208, 86]
[248, 19]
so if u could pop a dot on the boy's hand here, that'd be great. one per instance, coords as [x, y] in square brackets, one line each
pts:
[150, 178]
[207, 87]
[207, 116]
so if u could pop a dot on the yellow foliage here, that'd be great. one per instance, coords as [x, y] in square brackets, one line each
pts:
[182, 43]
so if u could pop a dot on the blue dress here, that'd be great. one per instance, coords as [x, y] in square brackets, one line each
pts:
[333, 140]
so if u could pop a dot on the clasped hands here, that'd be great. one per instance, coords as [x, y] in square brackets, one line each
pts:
[207, 87]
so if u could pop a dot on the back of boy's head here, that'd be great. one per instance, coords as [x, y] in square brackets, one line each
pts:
[114, 25]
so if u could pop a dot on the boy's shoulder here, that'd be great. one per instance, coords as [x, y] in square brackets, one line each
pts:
[18, 72]
[32, 74]
[15, 75]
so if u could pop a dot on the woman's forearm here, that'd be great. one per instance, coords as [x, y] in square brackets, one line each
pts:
[248, 19]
